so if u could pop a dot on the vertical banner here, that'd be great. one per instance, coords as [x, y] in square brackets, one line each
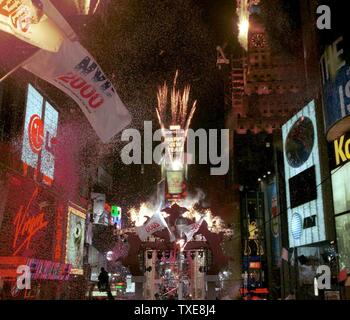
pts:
[275, 223]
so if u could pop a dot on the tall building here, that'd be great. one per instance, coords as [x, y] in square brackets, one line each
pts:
[266, 91]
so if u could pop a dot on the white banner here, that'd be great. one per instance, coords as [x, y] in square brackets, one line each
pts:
[155, 223]
[28, 21]
[191, 230]
[74, 71]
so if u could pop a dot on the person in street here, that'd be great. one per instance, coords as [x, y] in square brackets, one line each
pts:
[103, 283]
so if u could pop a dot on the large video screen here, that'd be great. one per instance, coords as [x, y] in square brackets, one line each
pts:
[302, 187]
[306, 223]
[39, 134]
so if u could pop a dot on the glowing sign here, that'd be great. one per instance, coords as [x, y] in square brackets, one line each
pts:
[301, 155]
[26, 227]
[175, 180]
[48, 270]
[254, 265]
[116, 213]
[40, 130]
[75, 240]
[109, 255]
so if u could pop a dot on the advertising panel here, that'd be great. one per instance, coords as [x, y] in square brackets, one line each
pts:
[100, 209]
[339, 155]
[116, 216]
[174, 181]
[28, 228]
[75, 240]
[39, 136]
[306, 223]
[335, 66]
[275, 222]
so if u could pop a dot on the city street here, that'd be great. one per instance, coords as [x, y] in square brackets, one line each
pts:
[183, 150]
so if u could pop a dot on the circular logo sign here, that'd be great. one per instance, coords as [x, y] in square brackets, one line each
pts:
[300, 142]
[296, 226]
[36, 133]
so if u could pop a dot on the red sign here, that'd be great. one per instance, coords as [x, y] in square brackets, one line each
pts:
[27, 226]
[19, 14]
[36, 133]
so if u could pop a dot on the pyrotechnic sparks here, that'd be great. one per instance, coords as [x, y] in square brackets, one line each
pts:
[147, 209]
[243, 22]
[178, 105]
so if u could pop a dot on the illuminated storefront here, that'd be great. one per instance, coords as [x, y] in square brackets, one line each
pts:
[306, 221]
[35, 211]
[339, 151]
[308, 205]
[334, 65]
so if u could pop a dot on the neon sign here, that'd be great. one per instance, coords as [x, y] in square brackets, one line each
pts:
[26, 227]
[116, 213]
[39, 138]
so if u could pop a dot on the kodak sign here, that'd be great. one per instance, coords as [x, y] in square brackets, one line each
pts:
[342, 150]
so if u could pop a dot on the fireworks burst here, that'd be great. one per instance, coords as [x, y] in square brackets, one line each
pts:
[179, 101]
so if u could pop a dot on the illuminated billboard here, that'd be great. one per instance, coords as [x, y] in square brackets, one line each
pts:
[29, 224]
[39, 136]
[334, 66]
[339, 154]
[75, 240]
[116, 216]
[306, 223]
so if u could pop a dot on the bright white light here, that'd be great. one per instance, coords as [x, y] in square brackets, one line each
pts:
[181, 243]
[109, 255]
[176, 165]
[243, 23]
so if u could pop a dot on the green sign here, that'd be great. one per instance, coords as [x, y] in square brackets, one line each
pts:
[116, 211]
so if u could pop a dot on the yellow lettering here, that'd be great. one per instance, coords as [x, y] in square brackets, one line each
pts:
[338, 149]
[347, 149]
